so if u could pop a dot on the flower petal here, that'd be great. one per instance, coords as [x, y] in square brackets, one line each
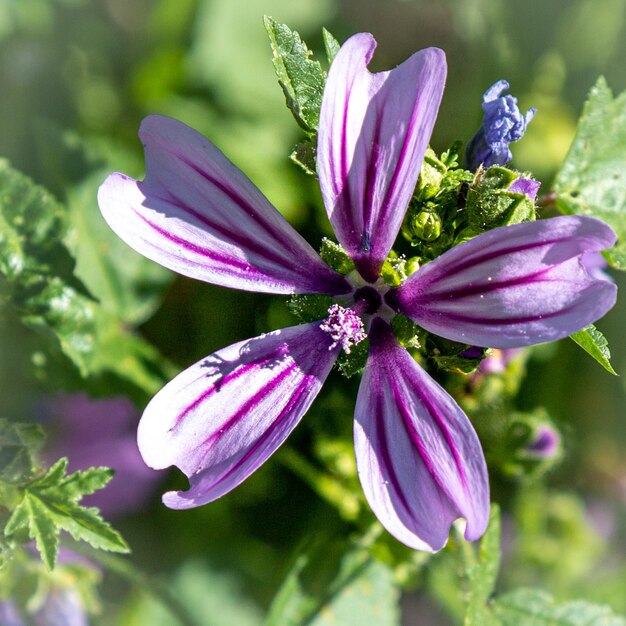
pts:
[199, 215]
[373, 132]
[419, 460]
[219, 420]
[513, 286]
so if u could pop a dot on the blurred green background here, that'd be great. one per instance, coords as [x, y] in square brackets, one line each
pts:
[77, 77]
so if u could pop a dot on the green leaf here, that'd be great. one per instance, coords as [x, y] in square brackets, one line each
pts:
[482, 575]
[592, 341]
[301, 78]
[50, 505]
[534, 607]
[38, 270]
[304, 155]
[592, 180]
[331, 45]
[315, 593]
[19, 445]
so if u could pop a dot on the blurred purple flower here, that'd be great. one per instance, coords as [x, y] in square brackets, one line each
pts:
[419, 460]
[502, 124]
[101, 432]
[62, 604]
[497, 361]
[546, 442]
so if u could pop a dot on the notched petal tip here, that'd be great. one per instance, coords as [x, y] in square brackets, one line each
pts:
[513, 286]
[374, 129]
[223, 417]
[420, 462]
[197, 214]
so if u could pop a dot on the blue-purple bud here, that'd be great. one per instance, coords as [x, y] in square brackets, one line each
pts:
[502, 124]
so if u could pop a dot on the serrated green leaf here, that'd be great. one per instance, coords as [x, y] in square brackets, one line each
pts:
[331, 45]
[42, 529]
[86, 482]
[483, 574]
[535, 607]
[301, 78]
[592, 180]
[50, 505]
[594, 343]
[83, 523]
[52, 477]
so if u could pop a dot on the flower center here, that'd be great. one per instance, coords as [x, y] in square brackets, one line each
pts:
[370, 299]
[344, 327]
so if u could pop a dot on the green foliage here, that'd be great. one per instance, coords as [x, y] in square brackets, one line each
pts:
[482, 574]
[41, 280]
[592, 179]
[36, 269]
[336, 257]
[463, 576]
[534, 607]
[19, 445]
[309, 308]
[331, 45]
[50, 504]
[594, 343]
[208, 595]
[301, 78]
[320, 592]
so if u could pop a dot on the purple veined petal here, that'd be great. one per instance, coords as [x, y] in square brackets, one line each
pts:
[199, 215]
[513, 286]
[419, 459]
[220, 419]
[373, 132]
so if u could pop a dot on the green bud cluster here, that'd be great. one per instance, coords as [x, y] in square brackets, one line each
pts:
[451, 205]
[431, 220]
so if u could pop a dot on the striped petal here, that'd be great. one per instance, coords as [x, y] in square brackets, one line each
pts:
[199, 215]
[219, 420]
[513, 286]
[373, 132]
[419, 460]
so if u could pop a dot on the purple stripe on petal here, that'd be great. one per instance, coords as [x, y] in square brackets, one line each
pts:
[513, 286]
[374, 130]
[220, 419]
[198, 215]
[419, 460]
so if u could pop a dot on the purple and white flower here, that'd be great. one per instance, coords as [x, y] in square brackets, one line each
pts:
[419, 460]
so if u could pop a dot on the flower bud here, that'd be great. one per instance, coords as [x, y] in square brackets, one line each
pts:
[426, 225]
